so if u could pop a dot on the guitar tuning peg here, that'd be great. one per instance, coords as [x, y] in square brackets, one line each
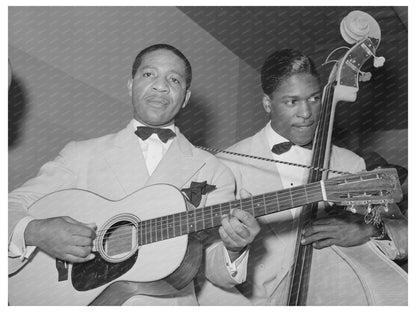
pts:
[369, 208]
[364, 76]
[351, 208]
[378, 61]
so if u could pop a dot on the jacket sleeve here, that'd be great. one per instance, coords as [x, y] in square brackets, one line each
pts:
[395, 223]
[54, 175]
[216, 270]
[397, 229]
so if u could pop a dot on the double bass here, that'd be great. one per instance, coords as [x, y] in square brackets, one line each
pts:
[359, 275]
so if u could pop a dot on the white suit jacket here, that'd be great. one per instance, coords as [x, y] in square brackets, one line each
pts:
[113, 166]
[272, 251]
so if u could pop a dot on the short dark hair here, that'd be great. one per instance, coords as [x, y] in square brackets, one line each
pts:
[163, 46]
[282, 64]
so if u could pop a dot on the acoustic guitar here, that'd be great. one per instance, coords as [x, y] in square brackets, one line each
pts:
[142, 244]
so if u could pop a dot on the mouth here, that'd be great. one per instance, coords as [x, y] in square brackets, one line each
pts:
[157, 100]
[304, 127]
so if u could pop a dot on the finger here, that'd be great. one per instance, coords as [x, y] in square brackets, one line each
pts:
[244, 193]
[231, 234]
[323, 243]
[315, 237]
[238, 228]
[75, 259]
[82, 241]
[225, 238]
[233, 228]
[228, 242]
[312, 229]
[245, 218]
[81, 229]
[70, 220]
[223, 234]
[79, 251]
[92, 226]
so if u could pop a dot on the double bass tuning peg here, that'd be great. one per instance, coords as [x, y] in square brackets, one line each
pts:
[378, 61]
[364, 76]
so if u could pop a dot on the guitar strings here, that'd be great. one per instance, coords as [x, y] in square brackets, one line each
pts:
[247, 202]
[155, 231]
[147, 228]
[158, 225]
[163, 223]
[148, 232]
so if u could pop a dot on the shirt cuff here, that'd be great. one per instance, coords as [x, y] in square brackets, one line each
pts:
[238, 268]
[17, 244]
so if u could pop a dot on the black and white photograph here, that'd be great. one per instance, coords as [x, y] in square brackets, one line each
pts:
[207, 155]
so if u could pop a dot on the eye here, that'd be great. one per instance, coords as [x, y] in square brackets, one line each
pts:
[289, 102]
[175, 80]
[147, 74]
[314, 99]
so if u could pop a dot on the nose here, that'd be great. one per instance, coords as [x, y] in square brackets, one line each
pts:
[160, 85]
[304, 109]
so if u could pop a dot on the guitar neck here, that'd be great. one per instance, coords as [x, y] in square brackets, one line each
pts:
[196, 220]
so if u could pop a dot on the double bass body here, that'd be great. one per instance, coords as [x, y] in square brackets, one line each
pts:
[349, 276]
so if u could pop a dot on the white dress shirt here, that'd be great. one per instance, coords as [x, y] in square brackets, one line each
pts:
[153, 148]
[290, 175]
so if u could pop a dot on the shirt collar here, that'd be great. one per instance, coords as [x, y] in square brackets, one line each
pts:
[137, 123]
[272, 136]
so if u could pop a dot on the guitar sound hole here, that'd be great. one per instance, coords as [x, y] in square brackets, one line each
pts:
[118, 240]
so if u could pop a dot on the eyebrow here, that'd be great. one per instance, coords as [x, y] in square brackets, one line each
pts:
[296, 96]
[155, 68]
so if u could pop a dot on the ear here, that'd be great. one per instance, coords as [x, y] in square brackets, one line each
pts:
[187, 96]
[267, 105]
[130, 86]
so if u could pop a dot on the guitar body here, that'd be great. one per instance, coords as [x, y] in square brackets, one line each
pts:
[40, 282]
[356, 276]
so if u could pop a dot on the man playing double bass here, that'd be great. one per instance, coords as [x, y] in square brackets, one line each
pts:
[292, 98]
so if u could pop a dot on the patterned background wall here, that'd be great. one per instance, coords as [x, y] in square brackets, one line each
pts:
[71, 65]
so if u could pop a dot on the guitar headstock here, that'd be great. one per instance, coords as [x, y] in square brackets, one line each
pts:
[376, 187]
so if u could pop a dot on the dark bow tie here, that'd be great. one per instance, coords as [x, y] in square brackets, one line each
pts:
[285, 146]
[145, 132]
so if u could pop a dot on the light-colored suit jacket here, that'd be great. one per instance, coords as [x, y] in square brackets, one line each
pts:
[113, 166]
[271, 253]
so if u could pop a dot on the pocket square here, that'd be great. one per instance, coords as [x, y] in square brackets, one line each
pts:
[196, 190]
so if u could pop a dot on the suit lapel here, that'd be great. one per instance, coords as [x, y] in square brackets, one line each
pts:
[260, 147]
[272, 182]
[126, 161]
[178, 165]
[127, 164]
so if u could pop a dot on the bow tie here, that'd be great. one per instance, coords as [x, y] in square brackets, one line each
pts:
[145, 132]
[285, 146]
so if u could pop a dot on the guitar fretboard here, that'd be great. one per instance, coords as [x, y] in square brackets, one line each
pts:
[186, 222]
